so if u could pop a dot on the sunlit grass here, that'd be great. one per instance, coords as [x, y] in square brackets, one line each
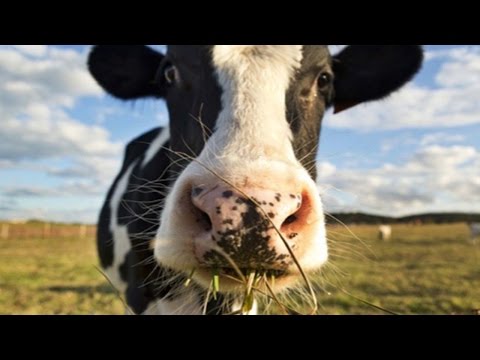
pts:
[53, 276]
[429, 269]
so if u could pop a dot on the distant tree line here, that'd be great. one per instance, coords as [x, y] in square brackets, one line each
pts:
[432, 218]
[353, 218]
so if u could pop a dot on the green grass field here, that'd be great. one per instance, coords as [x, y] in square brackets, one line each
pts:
[429, 269]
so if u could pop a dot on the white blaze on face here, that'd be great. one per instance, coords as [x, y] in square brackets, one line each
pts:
[254, 81]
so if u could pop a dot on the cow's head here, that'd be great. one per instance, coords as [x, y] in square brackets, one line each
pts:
[244, 124]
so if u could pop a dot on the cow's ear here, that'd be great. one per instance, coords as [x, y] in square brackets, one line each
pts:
[371, 72]
[126, 71]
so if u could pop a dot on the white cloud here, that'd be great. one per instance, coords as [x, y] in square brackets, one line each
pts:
[435, 157]
[36, 95]
[29, 191]
[435, 178]
[40, 85]
[461, 72]
[41, 132]
[325, 168]
[441, 138]
[70, 188]
[55, 79]
[5, 164]
[34, 50]
[454, 102]
[98, 169]
[392, 143]
[456, 52]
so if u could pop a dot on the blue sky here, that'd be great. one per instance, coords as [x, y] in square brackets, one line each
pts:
[62, 138]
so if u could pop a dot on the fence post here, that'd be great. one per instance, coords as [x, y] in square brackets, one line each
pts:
[46, 230]
[4, 232]
[83, 231]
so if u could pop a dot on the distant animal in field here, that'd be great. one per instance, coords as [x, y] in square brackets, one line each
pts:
[474, 232]
[384, 232]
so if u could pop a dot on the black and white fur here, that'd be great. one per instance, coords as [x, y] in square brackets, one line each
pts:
[243, 109]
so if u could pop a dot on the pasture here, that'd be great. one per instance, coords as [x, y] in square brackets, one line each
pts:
[427, 269]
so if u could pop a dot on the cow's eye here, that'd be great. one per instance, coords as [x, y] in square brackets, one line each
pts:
[324, 80]
[170, 74]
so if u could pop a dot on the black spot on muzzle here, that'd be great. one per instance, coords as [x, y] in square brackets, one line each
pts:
[247, 246]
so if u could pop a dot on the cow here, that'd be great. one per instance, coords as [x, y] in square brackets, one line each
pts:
[384, 232]
[474, 232]
[228, 187]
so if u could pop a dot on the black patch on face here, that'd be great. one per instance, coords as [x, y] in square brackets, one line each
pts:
[278, 197]
[247, 246]
[304, 109]
[193, 103]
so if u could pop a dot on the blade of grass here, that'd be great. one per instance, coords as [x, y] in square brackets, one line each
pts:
[115, 290]
[248, 298]
[369, 303]
[215, 284]
[207, 297]
[234, 266]
[285, 308]
[189, 279]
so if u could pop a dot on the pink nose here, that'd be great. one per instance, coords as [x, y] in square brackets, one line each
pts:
[246, 226]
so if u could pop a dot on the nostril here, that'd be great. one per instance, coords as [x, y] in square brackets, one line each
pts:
[196, 191]
[300, 207]
[205, 220]
[290, 220]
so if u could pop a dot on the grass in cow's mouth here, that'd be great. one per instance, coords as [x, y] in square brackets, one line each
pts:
[254, 282]
[248, 298]
[215, 284]
[189, 278]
